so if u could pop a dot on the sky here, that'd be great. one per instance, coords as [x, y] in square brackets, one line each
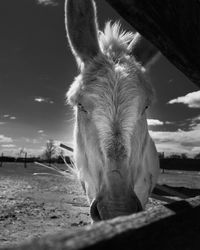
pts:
[37, 68]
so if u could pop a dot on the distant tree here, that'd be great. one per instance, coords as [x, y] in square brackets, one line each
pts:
[184, 156]
[60, 156]
[197, 156]
[50, 151]
[161, 155]
[61, 153]
[175, 156]
[23, 152]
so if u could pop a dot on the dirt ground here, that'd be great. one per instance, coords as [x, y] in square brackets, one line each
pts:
[31, 206]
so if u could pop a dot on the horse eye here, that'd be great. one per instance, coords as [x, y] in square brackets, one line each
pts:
[81, 108]
[146, 107]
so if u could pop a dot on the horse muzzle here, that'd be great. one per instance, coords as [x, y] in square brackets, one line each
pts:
[105, 208]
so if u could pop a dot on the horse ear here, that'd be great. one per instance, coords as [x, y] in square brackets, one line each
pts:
[81, 27]
[144, 52]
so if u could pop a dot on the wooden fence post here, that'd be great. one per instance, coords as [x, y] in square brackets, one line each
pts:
[25, 160]
[1, 162]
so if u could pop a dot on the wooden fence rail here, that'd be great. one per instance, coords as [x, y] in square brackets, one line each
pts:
[173, 226]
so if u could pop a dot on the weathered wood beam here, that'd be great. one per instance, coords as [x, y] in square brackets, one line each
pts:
[66, 147]
[173, 26]
[174, 226]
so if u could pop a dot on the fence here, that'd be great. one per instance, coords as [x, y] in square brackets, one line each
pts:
[173, 226]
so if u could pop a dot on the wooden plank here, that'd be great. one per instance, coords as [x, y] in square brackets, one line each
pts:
[66, 147]
[170, 191]
[174, 226]
[172, 26]
[162, 198]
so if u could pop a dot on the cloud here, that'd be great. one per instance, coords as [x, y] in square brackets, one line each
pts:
[42, 99]
[154, 122]
[13, 118]
[31, 140]
[167, 122]
[4, 139]
[48, 2]
[41, 131]
[8, 146]
[2, 123]
[192, 100]
[34, 151]
[179, 141]
[8, 116]
[39, 99]
[35, 141]
[194, 121]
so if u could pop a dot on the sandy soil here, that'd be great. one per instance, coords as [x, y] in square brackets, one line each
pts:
[31, 206]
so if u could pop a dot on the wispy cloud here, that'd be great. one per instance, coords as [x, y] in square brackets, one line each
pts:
[42, 134]
[194, 121]
[179, 141]
[30, 140]
[192, 100]
[43, 99]
[13, 118]
[5, 139]
[8, 116]
[48, 2]
[33, 141]
[8, 146]
[2, 123]
[40, 131]
[154, 122]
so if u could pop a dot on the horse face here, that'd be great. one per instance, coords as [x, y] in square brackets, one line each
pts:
[110, 97]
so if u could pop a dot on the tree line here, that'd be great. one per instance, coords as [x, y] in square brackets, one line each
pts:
[50, 155]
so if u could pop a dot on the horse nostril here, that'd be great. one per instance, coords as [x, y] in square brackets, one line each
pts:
[94, 211]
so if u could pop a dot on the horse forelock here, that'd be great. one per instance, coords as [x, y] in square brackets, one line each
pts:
[114, 41]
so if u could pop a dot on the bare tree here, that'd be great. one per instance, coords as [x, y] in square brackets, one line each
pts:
[50, 150]
[23, 152]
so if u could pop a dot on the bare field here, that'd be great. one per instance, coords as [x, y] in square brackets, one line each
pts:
[31, 206]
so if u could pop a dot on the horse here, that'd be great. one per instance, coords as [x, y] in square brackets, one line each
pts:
[115, 156]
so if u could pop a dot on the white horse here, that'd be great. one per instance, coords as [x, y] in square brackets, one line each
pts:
[114, 153]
